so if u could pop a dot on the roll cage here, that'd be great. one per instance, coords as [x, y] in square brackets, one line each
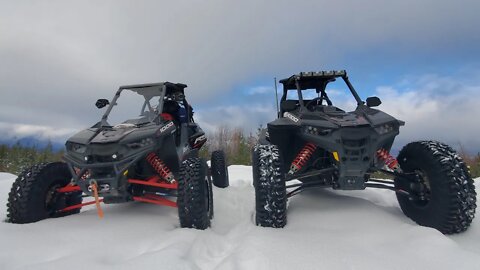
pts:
[313, 80]
[163, 91]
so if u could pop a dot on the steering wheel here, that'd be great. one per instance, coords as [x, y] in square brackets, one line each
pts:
[311, 102]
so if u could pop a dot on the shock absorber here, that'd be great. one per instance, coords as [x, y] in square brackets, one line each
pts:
[389, 160]
[84, 176]
[160, 167]
[302, 157]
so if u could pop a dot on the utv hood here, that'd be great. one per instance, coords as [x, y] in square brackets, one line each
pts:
[369, 117]
[348, 119]
[338, 119]
[114, 134]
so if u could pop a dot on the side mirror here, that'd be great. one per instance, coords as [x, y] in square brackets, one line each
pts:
[373, 101]
[102, 103]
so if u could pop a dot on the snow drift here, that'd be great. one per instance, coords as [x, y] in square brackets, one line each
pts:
[326, 230]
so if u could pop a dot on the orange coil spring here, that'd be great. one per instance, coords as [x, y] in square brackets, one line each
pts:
[388, 159]
[85, 175]
[160, 167]
[303, 156]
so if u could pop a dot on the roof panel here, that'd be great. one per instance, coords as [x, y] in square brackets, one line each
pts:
[312, 79]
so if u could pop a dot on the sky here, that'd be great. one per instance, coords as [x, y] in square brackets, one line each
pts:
[420, 57]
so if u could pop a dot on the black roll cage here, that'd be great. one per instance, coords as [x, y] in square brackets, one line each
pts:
[160, 90]
[317, 81]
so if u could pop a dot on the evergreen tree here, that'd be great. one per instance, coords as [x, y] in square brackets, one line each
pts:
[14, 159]
[3, 158]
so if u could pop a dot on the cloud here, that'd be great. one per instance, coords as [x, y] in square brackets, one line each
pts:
[58, 57]
[42, 133]
[434, 107]
[245, 116]
[260, 90]
[444, 108]
[50, 48]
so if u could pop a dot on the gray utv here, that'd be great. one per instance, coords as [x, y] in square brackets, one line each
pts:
[315, 144]
[151, 158]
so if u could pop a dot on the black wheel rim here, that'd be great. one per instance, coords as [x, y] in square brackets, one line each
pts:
[421, 188]
[53, 199]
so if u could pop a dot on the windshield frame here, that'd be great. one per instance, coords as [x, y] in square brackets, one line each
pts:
[148, 95]
[299, 88]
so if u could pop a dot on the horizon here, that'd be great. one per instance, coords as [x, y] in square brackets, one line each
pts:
[422, 62]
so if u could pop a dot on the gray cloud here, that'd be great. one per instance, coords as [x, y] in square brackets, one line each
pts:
[444, 108]
[439, 108]
[41, 132]
[247, 116]
[58, 57]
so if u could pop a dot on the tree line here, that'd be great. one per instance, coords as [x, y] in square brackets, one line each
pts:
[16, 158]
[234, 142]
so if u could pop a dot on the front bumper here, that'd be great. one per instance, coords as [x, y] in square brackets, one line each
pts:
[356, 148]
[110, 177]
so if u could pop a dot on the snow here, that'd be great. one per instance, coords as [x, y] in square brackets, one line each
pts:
[326, 230]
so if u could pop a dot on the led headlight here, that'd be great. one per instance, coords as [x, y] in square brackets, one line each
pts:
[383, 129]
[141, 143]
[316, 131]
[311, 130]
[76, 147]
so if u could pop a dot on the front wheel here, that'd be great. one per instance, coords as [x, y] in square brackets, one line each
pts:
[195, 200]
[34, 195]
[443, 193]
[270, 189]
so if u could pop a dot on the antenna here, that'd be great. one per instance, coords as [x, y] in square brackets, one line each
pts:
[276, 96]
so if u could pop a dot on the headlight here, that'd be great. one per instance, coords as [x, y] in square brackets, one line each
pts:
[76, 147]
[317, 131]
[383, 129]
[141, 143]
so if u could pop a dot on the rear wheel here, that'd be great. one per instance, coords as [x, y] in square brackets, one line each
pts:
[219, 169]
[270, 190]
[444, 195]
[195, 200]
[34, 195]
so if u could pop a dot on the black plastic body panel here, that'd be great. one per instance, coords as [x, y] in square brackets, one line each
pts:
[353, 136]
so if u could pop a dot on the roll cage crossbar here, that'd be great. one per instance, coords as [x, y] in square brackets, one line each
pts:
[318, 81]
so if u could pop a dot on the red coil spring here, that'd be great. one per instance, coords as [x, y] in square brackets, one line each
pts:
[160, 167]
[388, 159]
[302, 157]
[84, 176]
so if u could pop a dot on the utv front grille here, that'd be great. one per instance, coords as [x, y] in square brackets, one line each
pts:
[354, 150]
[354, 143]
[102, 159]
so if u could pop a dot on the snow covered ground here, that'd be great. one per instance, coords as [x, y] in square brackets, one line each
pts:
[326, 230]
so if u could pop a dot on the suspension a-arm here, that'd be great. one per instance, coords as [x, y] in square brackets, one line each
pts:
[290, 177]
[299, 187]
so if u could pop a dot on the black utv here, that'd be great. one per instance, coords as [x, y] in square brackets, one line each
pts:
[151, 158]
[315, 144]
